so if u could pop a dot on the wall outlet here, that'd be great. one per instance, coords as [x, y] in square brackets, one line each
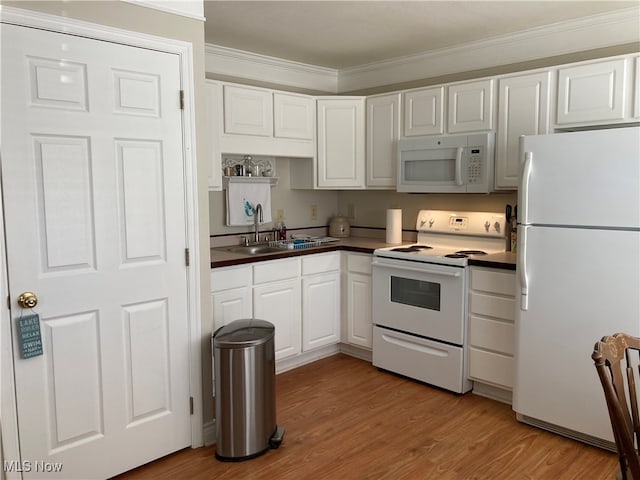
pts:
[280, 215]
[314, 211]
[351, 211]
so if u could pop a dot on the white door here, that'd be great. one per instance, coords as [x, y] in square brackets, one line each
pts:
[423, 112]
[92, 172]
[470, 107]
[383, 123]
[320, 310]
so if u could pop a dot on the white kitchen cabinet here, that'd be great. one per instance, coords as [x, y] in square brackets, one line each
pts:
[230, 294]
[320, 310]
[213, 113]
[470, 106]
[523, 109]
[320, 300]
[383, 131]
[593, 93]
[293, 116]
[341, 142]
[491, 326]
[423, 112]
[358, 300]
[248, 111]
[279, 303]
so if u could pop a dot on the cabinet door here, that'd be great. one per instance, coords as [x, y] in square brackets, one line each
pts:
[341, 142]
[423, 112]
[359, 326]
[320, 310]
[279, 303]
[294, 116]
[248, 111]
[213, 112]
[470, 107]
[383, 119]
[523, 109]
[230, 305]
[591, 93]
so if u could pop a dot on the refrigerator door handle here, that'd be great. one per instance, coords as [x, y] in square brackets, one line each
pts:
[524, 187]
[522, 267]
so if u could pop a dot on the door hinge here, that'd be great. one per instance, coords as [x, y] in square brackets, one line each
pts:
[191, 405]
[9, 302]
[181, 99]
[187, 257]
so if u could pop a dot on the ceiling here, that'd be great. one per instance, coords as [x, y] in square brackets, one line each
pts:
[343, 34]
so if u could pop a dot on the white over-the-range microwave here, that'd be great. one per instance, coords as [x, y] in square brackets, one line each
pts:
[446, 164]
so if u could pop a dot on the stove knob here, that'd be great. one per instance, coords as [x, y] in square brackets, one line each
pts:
[431, 222]
[486, 225]
[496, 226]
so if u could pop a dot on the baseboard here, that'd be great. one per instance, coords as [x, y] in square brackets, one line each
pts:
[357, 352]
[305, 357]
[494, 393]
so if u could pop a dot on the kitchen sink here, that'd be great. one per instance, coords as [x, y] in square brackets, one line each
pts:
[253, 249]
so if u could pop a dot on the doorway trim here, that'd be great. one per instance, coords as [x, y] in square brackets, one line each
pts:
[26, 18]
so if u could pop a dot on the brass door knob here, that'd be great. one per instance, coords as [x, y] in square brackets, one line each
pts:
[27, 300]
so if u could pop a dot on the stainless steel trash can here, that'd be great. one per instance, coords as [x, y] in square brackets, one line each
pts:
[244, 370]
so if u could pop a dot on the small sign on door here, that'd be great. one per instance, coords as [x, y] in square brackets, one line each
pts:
[30, 338]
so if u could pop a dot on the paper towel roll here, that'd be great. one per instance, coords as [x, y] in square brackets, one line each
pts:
[394, 225]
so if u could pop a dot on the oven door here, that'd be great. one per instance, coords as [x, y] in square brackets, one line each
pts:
[420, 298]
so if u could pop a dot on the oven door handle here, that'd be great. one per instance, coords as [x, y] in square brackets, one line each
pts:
[413, 269]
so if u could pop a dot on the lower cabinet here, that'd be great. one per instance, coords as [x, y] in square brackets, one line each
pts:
[491, 327]
[279, 303]
[358, 300]
[320, 310]
[300, 296]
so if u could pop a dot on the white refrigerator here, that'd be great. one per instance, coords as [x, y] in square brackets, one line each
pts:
[578, 273]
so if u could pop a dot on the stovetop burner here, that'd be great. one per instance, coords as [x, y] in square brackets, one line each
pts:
[456, 255]
[471, 252]
[412, 248]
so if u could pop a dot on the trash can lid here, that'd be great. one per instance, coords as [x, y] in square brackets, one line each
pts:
[243, 333]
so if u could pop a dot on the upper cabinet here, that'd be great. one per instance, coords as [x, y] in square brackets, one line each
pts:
[636, 90]
[248, 111]
[341, 142]
[259, 121]
[293, 116]
[523, 109]
[595, 93]
[470, 107]
[383, 131]
[423, 112]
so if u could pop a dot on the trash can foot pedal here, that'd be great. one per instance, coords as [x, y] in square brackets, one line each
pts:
[276, 438]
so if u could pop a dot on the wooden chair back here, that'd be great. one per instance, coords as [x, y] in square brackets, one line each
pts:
[616, 357]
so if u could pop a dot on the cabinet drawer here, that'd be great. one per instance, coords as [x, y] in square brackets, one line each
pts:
[359, 263]
[493, 281]
[491, 367]
[231, 277]
[492, 306]
[491, 334]
[264, 272]
[320, 263]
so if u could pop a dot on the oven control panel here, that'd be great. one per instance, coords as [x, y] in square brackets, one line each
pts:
[486, 224]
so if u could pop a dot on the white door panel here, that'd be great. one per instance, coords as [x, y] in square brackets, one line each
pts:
[574, 299]
[597, 160]
[92, 170]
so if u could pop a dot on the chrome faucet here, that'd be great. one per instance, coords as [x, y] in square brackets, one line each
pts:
[257, 216]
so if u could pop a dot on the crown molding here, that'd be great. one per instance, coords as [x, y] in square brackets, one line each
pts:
[597, 31]
[185, 8]
[238, 63]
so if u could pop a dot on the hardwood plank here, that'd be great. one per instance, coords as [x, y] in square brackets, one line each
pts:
[346, 419]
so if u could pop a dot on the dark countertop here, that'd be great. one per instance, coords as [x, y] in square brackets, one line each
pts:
[504, 260]
[221, 258]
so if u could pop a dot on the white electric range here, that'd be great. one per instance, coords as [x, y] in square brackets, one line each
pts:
[420, 296]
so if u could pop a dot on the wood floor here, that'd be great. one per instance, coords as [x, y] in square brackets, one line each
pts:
[345, 419]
